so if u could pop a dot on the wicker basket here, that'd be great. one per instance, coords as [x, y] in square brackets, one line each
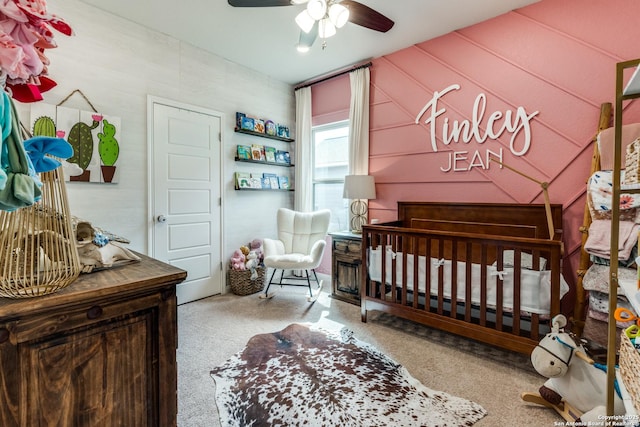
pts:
[38, 254]
[632, 163]
[241, 283]
[629, 362]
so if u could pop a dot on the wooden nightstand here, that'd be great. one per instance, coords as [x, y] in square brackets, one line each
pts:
[346, 256]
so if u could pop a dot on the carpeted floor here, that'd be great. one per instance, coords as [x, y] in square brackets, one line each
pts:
[213, 329]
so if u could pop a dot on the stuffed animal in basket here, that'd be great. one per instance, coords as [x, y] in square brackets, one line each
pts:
[576, 388]
[252, 264]
[256, 246]
[238, 260]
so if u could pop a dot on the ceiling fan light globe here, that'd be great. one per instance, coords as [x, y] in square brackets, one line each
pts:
[326, 28]
[317, 9]
[302, 48]
[339, 15]
[305, 21]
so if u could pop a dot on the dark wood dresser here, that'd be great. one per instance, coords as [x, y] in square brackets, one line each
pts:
[100, 352]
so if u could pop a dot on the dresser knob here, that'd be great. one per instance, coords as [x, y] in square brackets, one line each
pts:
[94, 312]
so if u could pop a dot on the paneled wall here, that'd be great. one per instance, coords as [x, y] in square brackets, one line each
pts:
[116, 64]
[554, 58]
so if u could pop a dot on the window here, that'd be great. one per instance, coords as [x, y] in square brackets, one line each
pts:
[330, 165]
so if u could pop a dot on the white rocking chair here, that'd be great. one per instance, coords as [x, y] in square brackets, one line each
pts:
[300, 246]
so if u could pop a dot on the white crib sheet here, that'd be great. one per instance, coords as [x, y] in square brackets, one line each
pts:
[535, 289]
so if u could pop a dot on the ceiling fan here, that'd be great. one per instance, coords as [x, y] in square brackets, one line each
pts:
[322, 17]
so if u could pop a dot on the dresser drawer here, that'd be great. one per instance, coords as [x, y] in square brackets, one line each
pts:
[346, 246]
[37, 326]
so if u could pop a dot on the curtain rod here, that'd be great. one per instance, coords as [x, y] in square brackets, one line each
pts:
[331, 76]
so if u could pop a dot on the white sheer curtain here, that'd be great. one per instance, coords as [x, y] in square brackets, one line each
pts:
[359, 128]
[303, 200]
[359, 122]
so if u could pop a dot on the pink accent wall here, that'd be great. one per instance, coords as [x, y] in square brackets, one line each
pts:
[555, 57]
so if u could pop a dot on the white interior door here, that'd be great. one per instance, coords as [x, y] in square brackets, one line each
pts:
[185, 192]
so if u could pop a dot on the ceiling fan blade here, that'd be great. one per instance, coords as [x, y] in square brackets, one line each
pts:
[364, 16]
[259, 3]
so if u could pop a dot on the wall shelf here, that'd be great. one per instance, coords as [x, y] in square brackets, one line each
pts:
[264, 189]
[263, 162]
[263, 135]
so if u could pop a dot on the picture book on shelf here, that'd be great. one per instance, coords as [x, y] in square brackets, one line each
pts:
[247, 123]
[273, 180]
[244, 152]
[243, 180]
[270, 154]
[284, 182]
[283, 157]
[257, 152]
[256, 180]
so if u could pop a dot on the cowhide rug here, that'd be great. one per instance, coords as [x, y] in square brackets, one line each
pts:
[299, 376]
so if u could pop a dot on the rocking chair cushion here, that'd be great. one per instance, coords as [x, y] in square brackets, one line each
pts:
[296, 261]
[290, 261]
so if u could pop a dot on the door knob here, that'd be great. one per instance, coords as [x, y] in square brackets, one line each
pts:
[161, 218]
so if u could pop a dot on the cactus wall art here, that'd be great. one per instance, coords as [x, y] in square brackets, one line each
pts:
[93, 136]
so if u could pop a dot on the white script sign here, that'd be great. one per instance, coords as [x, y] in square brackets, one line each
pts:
[465, 131]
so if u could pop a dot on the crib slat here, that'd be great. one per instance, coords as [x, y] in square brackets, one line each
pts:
[535, 327]
[428, 268]
[406, 251]
[499, 287]
[454, 278]
[468, 279]
[517, 283]
[440, 276]
[416, 269]
[483, 285]
[379, 290]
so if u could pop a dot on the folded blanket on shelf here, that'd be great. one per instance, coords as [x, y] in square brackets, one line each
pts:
[599, 188]
[599, 240]
[597, 277]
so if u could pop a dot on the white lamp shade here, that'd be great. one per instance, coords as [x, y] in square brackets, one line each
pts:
[339, 15]
[326, 28]
[359, 187]
[305, 21]
[317, 9]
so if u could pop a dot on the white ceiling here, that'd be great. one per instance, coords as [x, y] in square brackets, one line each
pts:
[264, 39]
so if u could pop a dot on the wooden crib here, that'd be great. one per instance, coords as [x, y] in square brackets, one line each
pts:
[485, 271]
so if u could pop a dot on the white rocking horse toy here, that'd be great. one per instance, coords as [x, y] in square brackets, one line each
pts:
[576, 388]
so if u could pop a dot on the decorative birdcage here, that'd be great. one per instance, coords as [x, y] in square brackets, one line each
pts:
[38, 254]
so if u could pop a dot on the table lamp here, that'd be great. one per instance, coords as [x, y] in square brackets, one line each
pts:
[359, 188]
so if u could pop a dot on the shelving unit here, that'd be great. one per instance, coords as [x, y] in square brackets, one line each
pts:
[628, 92]
[264, 135]
[264, 189]
[263, 162]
